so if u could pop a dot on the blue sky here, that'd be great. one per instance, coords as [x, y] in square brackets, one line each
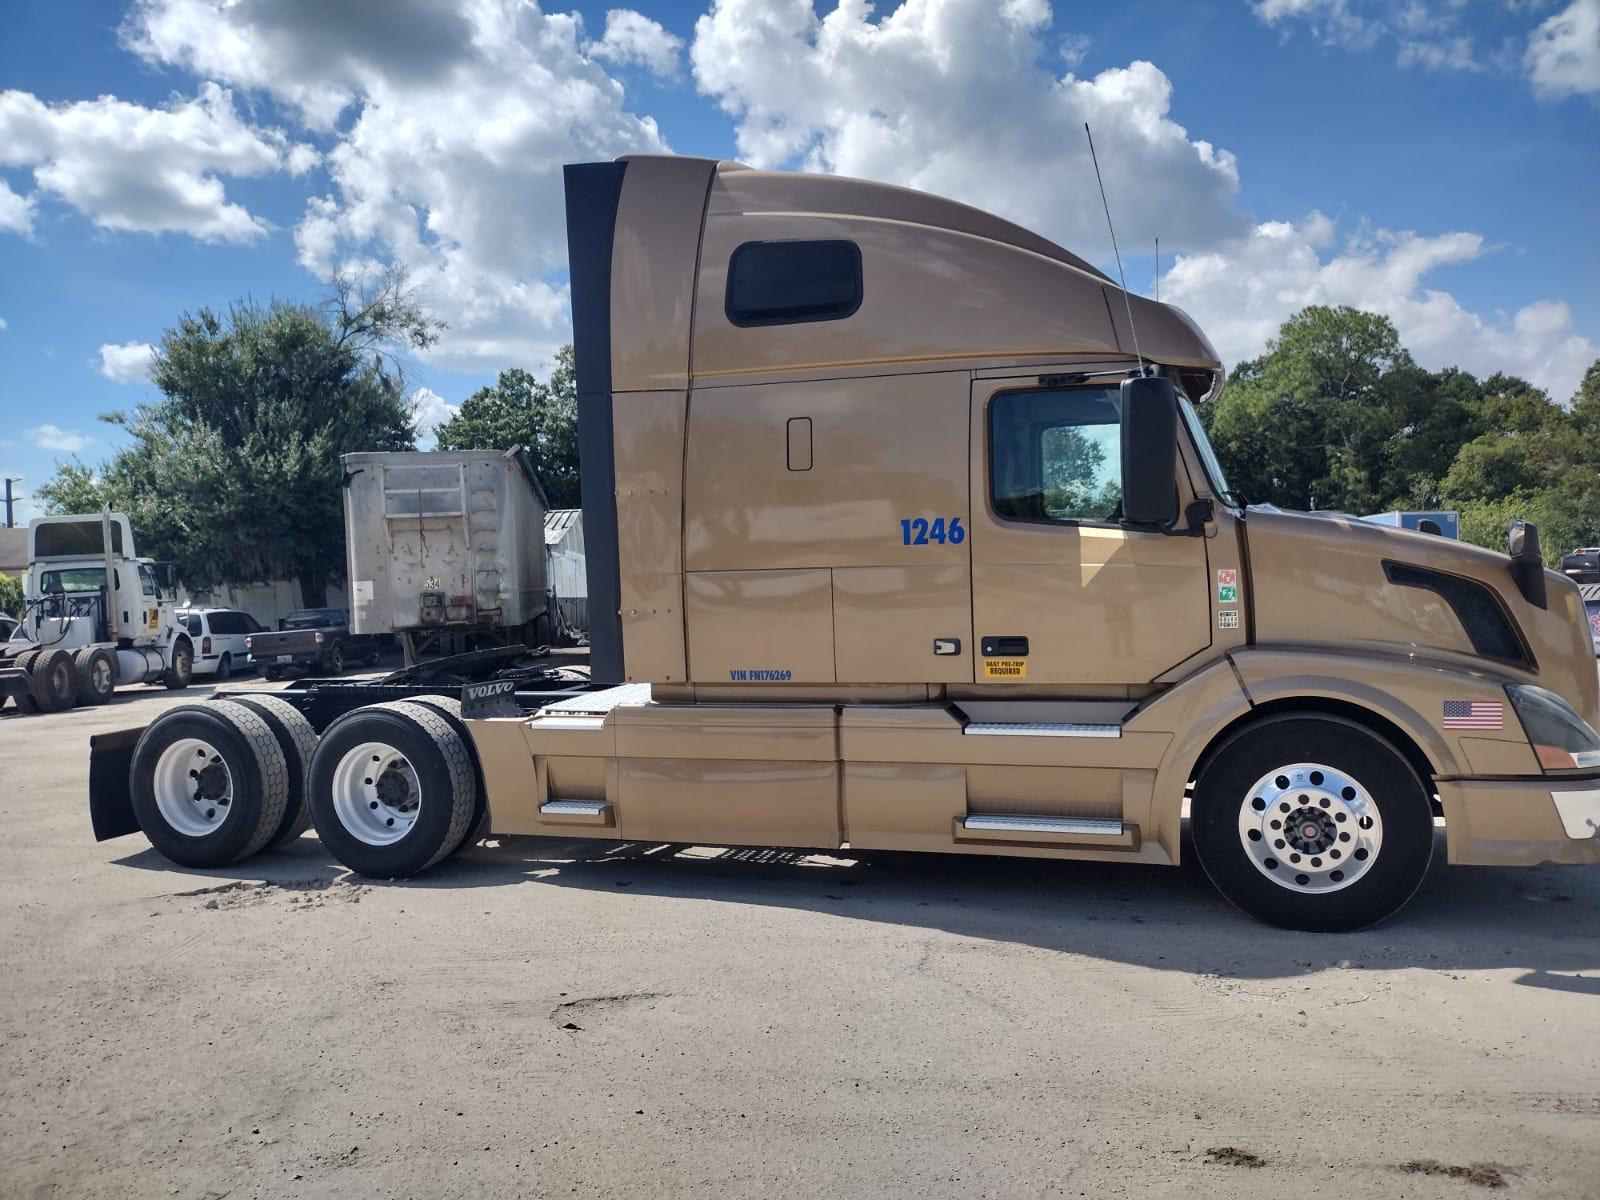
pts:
[1437, 160]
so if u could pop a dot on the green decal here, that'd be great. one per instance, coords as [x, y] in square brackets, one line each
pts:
[1227, 593]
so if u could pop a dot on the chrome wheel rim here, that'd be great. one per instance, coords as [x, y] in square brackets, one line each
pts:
[1310, 828]
[100, 676]
[376, 794]
[193, 787]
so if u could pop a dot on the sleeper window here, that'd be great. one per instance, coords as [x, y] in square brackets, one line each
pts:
[782, 283]
[1056, 455]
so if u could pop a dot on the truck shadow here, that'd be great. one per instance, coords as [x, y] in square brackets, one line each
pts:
[1542, 921]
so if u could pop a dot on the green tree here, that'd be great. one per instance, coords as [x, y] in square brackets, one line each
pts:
[234, 472]
[521, 410]
[1309, 424]
[10, 595]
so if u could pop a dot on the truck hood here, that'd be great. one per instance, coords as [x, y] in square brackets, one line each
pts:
[1329, 577]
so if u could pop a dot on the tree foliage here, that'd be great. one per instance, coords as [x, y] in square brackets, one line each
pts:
[234, 472]
[10, 595]
[1336, 415]
[521, 410]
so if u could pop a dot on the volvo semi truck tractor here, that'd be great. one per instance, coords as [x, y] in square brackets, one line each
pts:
[903, 534]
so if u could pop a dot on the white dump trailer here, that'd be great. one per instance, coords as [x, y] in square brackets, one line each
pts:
[445, 548]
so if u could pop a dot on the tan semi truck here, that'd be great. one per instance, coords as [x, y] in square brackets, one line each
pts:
[903, 534]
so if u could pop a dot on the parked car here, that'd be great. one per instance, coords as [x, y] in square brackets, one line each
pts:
[1591, 603]
[220, 636]
[1582, 565]
[318, 640]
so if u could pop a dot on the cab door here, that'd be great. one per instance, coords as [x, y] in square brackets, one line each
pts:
[1062, 591]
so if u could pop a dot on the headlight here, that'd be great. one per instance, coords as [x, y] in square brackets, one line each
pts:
[1561, 739]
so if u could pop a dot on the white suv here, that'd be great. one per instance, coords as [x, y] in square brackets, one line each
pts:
[218, 635]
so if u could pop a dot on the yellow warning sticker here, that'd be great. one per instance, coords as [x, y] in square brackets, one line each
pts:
[1005, 668]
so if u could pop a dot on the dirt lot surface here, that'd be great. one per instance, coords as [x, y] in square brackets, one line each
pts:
[555, 1019]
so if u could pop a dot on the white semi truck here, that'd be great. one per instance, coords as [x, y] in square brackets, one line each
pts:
[96, 617]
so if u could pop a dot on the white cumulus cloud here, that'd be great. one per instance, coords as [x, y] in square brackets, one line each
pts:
[50, 437]
[958, 97]
[632, 38]
[430, 410]
[153, 170]
[1563, 56]
[128, 362]
[16, 212]
[453, 124]
[1242, 292]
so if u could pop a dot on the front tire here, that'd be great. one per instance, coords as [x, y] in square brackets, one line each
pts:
[181, 671]
[392, 789]
[209, 784]
[1313, 823]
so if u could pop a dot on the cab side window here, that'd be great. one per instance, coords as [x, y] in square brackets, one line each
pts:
[147, 581]
[1055, 456]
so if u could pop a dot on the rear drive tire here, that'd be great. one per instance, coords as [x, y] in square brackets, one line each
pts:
[209, 784]
[298, 741]
[391, 789]
[449, 708]
[178, 675]
[97, 675]
[1313, 823]
[25, 702]
[55, 680]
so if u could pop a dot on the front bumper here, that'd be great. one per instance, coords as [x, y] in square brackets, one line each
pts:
[1522, 822]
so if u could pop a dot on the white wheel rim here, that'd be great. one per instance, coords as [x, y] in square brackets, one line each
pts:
[193, 787]
[376, 794]
[1310, 828]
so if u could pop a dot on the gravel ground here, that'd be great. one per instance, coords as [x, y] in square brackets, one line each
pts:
[542, 1018]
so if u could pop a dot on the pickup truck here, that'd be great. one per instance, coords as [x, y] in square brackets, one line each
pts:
[318, 640]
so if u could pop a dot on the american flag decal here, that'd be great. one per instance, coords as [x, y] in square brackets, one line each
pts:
[1473, 714]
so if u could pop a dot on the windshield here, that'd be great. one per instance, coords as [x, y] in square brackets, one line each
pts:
[1208, 456]
[72, 580]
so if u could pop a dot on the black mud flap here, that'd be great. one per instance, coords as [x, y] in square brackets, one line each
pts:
[110, 797]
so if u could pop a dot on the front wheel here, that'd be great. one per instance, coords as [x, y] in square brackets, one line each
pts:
[181, 670]
[1313, 823]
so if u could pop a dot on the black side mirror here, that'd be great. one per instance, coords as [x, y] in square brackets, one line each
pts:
[1527, 562]
[1149, 451]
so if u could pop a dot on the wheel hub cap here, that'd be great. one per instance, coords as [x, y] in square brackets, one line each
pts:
[1310, 827]
[193, 787]
[376, 794]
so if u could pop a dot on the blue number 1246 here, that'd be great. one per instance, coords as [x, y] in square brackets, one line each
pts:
[919, 531]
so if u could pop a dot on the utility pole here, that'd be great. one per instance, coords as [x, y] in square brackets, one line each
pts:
[10, 523]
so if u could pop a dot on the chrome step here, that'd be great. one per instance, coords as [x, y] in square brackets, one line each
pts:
[1060, 826]
[577, 812]
[1039, 729]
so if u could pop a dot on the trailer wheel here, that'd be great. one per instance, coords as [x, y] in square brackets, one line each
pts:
[1312, 822]
[97, 675]
[55, 682]
[391, 789]
[209, 784]
[298, 741]
[177, 676]
[450, 709]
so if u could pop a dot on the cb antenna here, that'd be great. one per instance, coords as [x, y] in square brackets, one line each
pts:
[1126, 303]
[1158, 270]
